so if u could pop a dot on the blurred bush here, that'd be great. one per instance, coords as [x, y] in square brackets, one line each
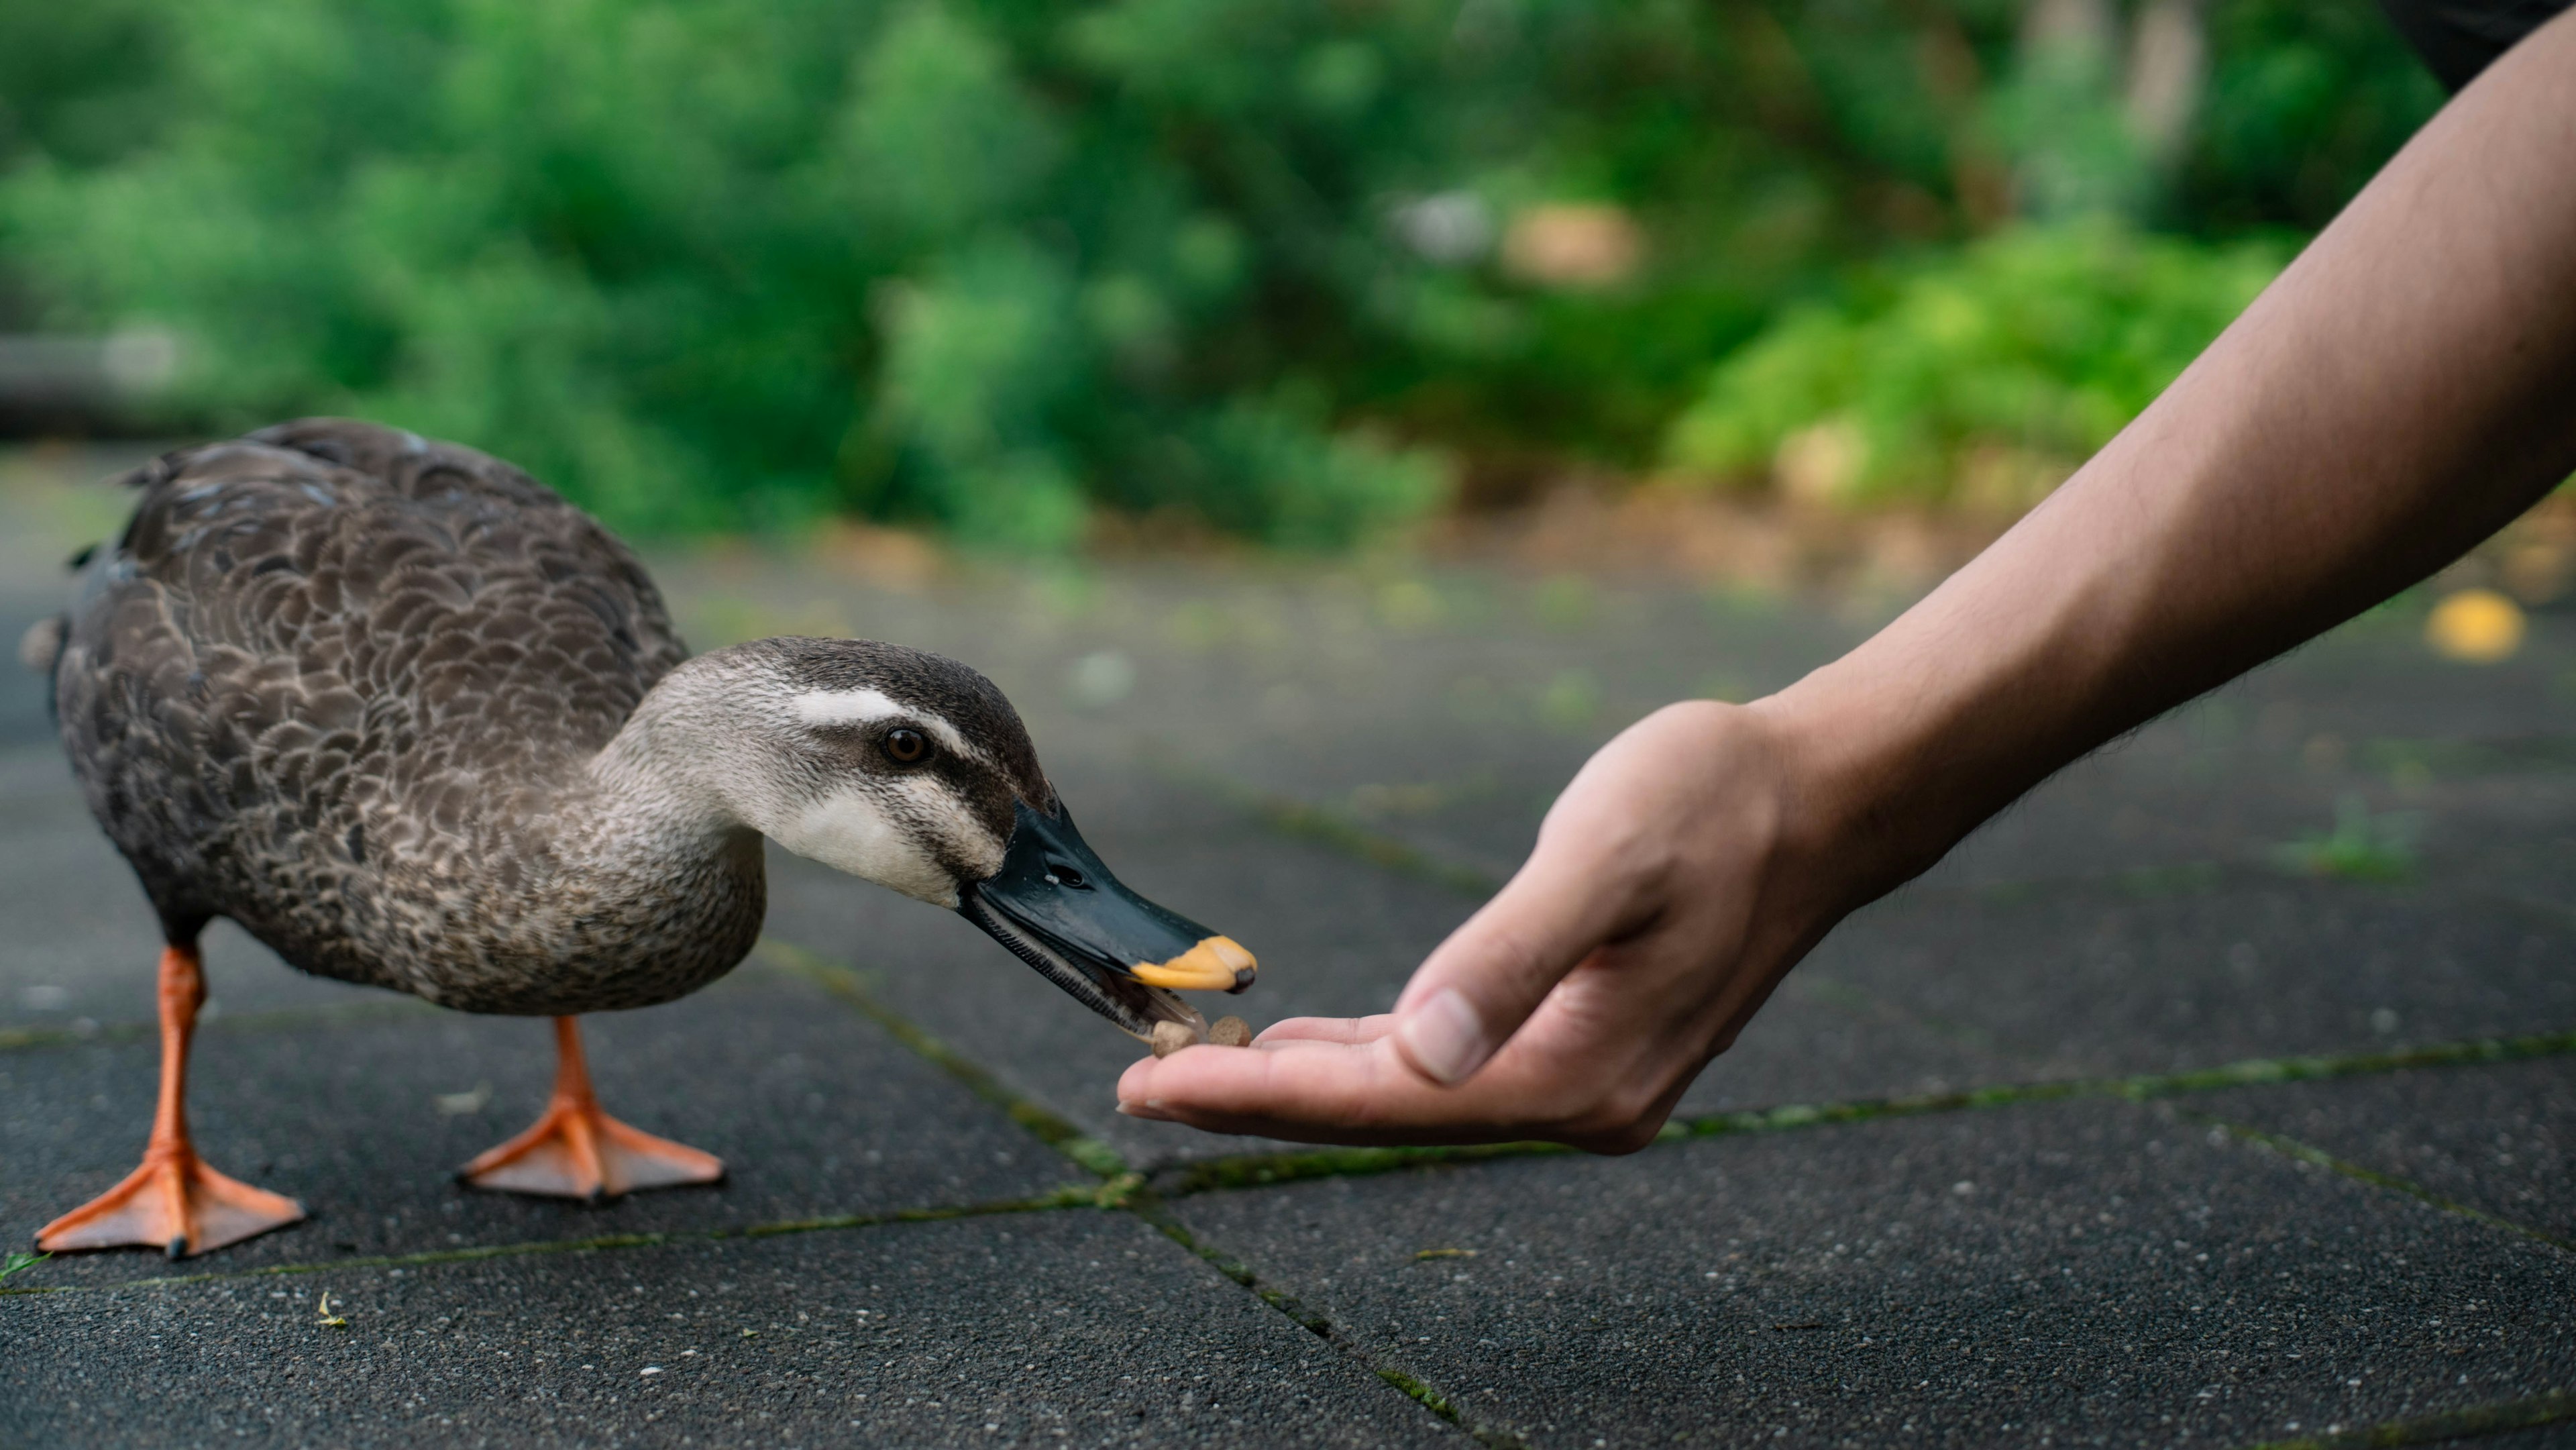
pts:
[1983, 376]
[1279, 266]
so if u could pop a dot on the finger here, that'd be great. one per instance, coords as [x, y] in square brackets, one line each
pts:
[1477, 988]
[1345, 1030]
[1304, 1090]
[1336, 1031]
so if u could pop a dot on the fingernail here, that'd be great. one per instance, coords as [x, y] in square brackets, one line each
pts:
[1150, 1109]
[1444, 1038]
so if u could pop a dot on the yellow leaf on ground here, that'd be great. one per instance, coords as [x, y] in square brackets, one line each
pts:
[2476, 626]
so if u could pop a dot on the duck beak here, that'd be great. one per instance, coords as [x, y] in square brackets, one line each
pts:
[1057, 908]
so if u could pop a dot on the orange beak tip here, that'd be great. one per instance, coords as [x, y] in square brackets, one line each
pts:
[1215, 964]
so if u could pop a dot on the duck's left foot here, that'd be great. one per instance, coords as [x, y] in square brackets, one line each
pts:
[175, 1203]
[578, 1151]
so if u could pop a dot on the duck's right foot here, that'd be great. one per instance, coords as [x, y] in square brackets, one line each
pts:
[578, 1151]
[174, 1203]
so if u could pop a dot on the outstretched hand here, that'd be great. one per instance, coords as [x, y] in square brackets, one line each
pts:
[1665, 898]
[2400, 392]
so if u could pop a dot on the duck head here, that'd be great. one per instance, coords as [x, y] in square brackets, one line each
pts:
[911, 770]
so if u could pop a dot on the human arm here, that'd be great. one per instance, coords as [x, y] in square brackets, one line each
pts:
[2403, 389]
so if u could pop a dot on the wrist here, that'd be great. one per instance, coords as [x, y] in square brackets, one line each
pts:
[1868, 800]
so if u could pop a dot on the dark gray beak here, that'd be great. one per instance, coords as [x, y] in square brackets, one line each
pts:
[1057, 908]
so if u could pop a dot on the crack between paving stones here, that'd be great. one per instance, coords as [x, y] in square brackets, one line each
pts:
[1256, 1170]
[1149, 1208]
[1121, 1187]
[2546, 1409]
[2290, 1147]
[1321, 825]
[849, 985]
[1118, 1186]
[1305, 821]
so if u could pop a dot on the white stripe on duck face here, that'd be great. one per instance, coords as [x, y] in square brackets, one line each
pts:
[859, 707]
[851, 830]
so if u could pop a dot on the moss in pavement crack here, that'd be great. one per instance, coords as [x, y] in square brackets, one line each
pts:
[2289, 1147]
[846, 984]
[1261, 1169]
[1305, 821]
[1119, 1189]
[1152, 1211]
[2547, 1409]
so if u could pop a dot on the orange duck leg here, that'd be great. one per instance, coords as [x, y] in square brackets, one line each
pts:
[577, 1151]
[174, 1202]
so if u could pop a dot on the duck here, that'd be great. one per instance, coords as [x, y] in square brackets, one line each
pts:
[414, 721]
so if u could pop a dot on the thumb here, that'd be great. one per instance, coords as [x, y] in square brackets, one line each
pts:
[1477, 988]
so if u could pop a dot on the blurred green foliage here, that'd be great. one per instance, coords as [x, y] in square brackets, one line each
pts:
[994, 264]
[1987, 373]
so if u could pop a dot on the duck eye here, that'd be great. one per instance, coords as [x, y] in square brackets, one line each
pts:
[906, 747]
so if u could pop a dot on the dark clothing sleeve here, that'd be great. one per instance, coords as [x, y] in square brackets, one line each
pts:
[2459, 38]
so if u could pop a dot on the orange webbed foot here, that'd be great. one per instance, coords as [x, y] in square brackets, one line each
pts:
[175, 1203]
[577, 1151]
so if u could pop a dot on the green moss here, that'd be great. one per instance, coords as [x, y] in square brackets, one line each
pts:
[2360, 847]
[2548, 1409]
[846, 984]
[1264, 1169]
[2359, 1173]
[1329, 828]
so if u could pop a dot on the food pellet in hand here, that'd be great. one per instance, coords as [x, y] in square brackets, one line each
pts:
[1230, 1032]
[1171, 1037]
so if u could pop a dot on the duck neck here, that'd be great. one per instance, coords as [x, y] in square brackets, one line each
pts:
[659, 792]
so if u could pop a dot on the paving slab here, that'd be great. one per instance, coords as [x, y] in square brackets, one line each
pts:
[1065, 1328]
[2092, 978]
[2095, 1273]
[815, 1111]
[2498, 1137]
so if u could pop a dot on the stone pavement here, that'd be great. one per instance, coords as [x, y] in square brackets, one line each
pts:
[2222, 1093]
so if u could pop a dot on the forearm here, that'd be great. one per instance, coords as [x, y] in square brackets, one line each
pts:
[2405, 388]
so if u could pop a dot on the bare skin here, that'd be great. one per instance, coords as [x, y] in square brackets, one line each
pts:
[2402, 391]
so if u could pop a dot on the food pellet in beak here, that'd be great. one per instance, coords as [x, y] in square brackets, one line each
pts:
[1171, 1037]
[1230, 1032]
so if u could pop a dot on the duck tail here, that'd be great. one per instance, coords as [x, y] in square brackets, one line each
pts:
[41, 647]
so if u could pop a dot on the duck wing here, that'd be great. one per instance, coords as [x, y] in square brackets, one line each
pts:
[325, 663]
